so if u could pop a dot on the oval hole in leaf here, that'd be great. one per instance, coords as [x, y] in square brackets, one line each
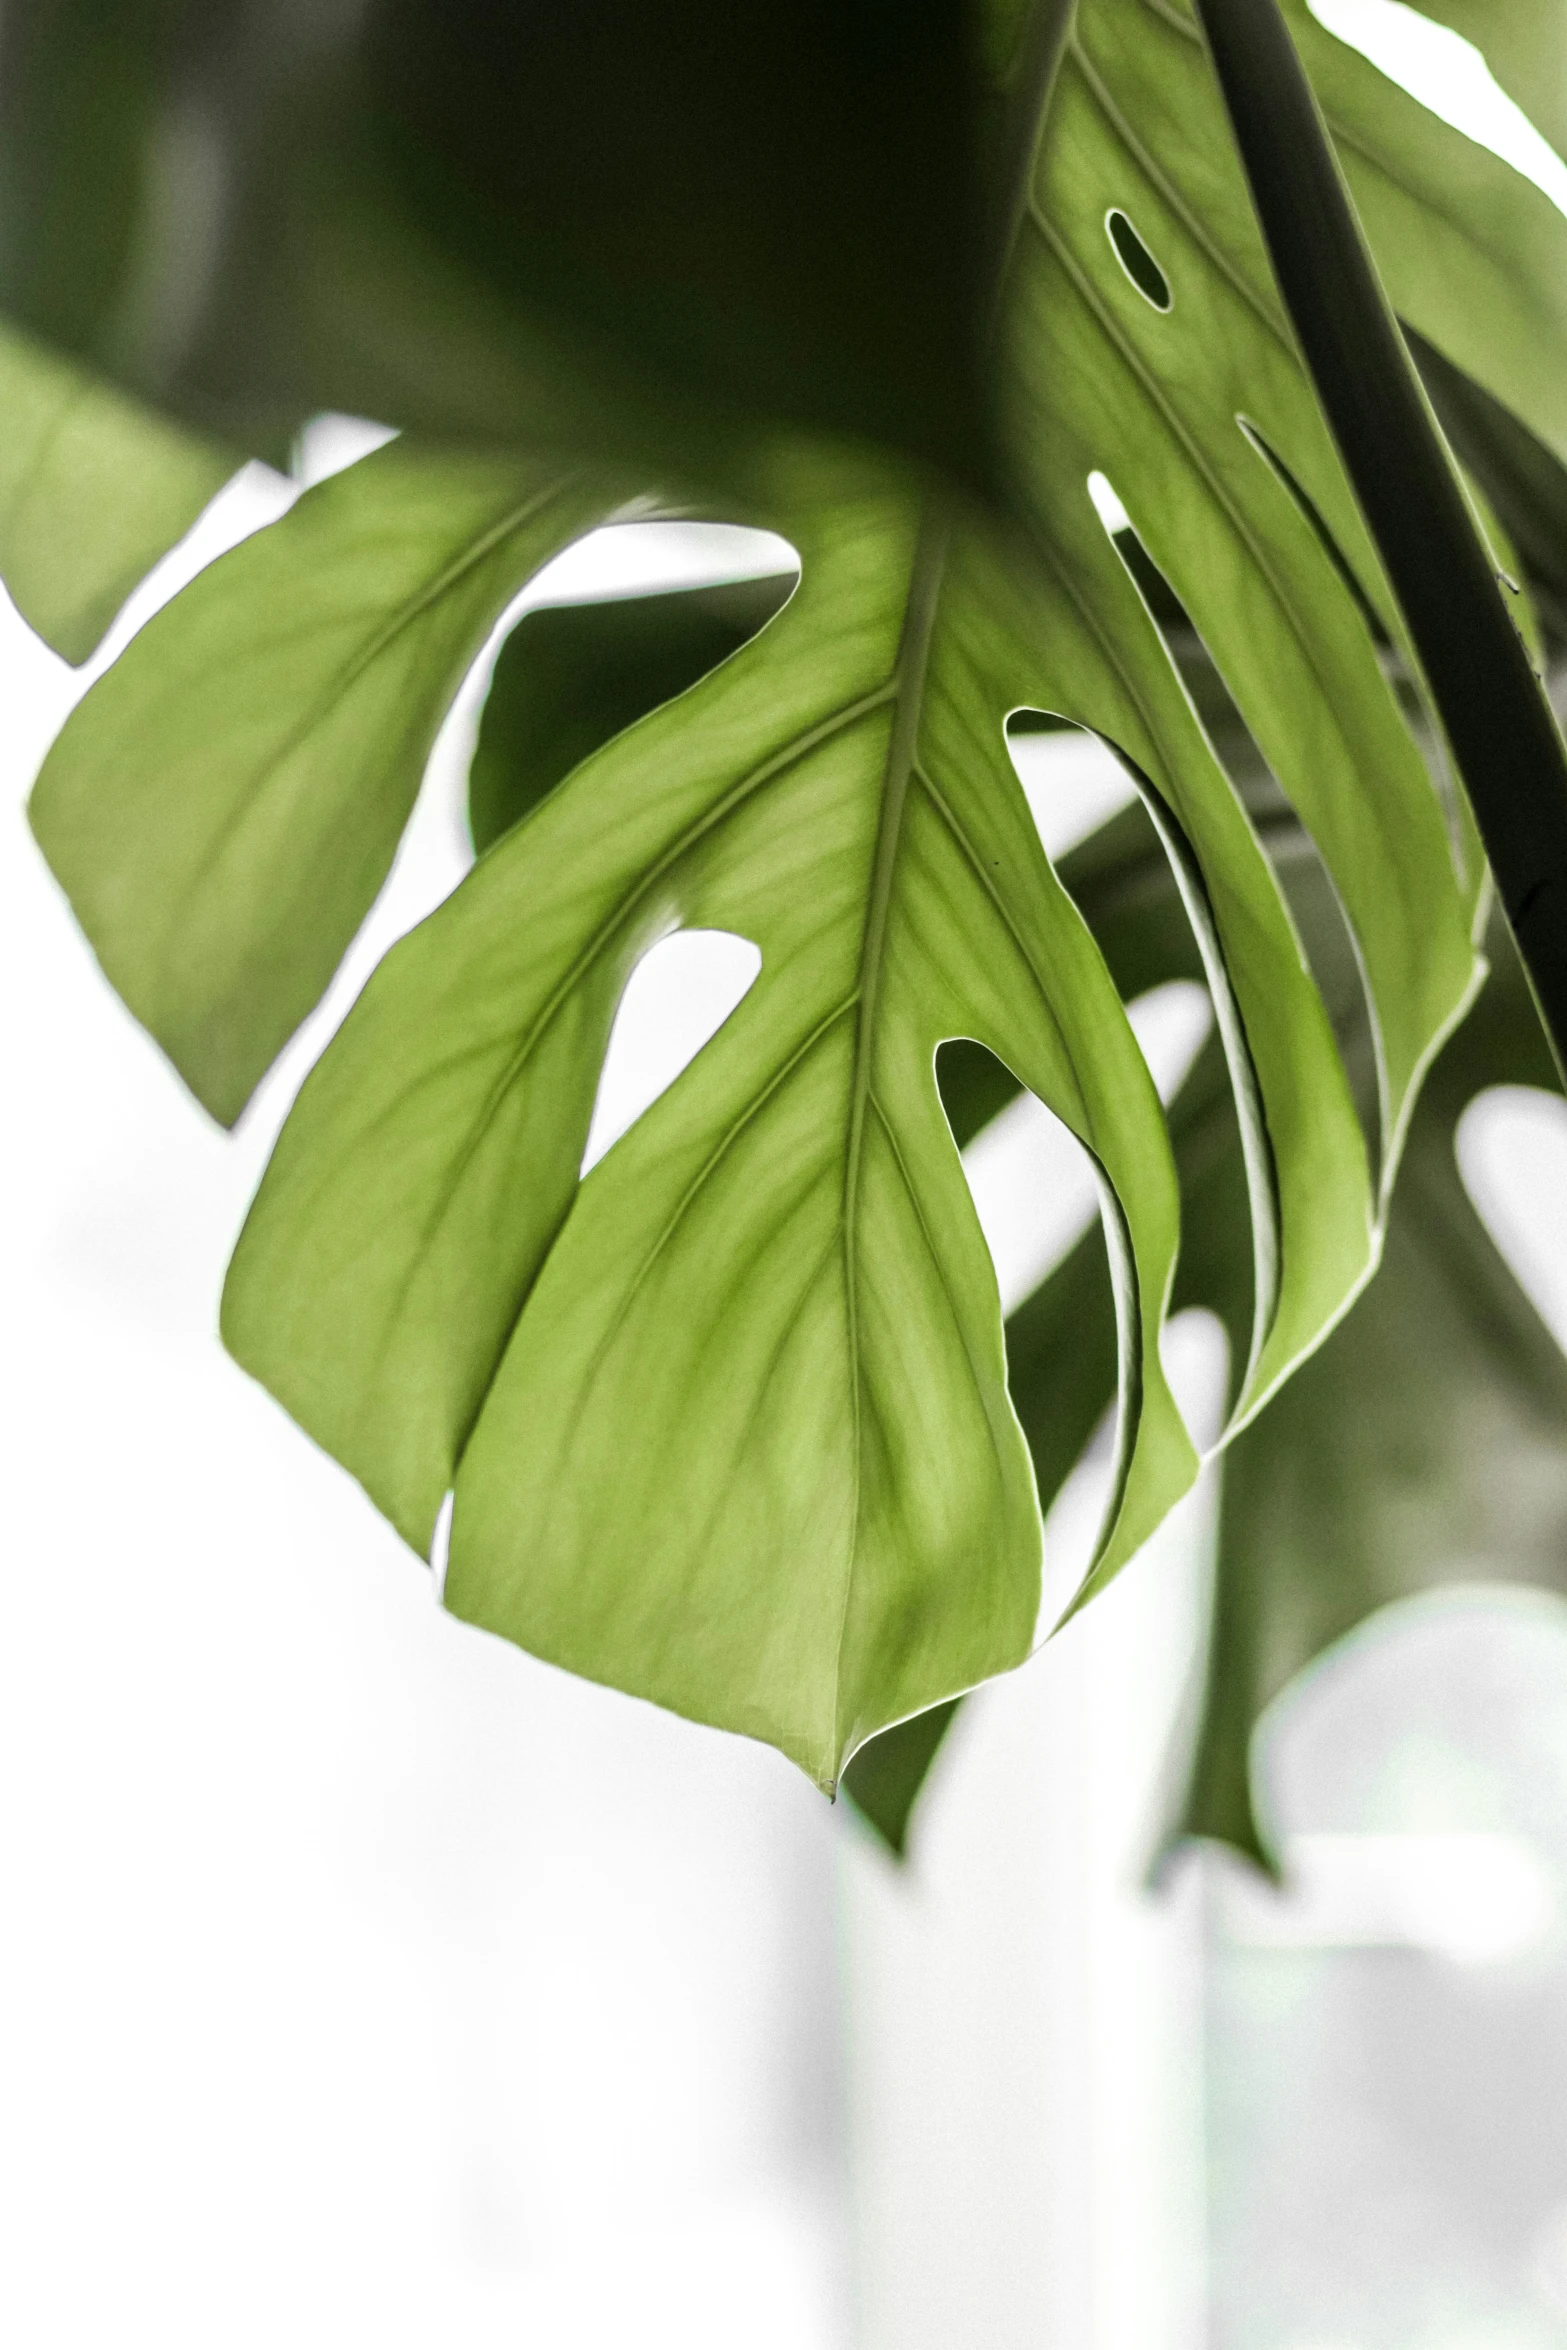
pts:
[1138, 263]
[675, 1001]
[1034, 1192]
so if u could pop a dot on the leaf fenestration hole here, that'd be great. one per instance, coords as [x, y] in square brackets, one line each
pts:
[1289, 847]
[674, 1003]
[628, 618]
[1312, 513]
[1138, 263]
[1032, 1183]
[1071, 778]
[1034, 1192]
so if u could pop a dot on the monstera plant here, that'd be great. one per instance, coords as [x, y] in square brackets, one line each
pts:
[1059, 341]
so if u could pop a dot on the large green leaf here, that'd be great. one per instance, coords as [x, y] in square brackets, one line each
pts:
[726, 1421]
[93, 490]
[571, 676]
[224, 805]
[757, 1351]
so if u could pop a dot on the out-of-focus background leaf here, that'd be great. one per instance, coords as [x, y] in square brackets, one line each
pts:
[571, 676]
[93, 489]
[1425, 1444]
[601, 223]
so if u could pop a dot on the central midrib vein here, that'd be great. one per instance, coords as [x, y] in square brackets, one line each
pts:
[1044, 40]
[913, 655]
[1040, 58]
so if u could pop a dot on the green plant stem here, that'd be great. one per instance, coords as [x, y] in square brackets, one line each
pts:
[1477, 670]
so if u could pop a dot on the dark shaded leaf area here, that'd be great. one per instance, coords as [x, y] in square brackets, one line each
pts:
[571, 676]
[587, 222]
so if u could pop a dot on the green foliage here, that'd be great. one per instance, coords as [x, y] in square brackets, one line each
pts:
[1476, 664]
[224, 806]
[756, 1348]
[561, 226]
[1425, 1442]
[565, 684]
[731, 1421]
[93, 490]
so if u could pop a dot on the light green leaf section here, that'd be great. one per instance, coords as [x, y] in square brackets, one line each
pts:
[1524, 42]
[225, 804]
[93, 489]
[1472, 254]
[1425, 1445]
[728, 1425]
[1162, 403]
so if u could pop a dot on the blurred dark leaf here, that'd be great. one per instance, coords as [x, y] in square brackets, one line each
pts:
[571, 676]
[774, 209]
[93, 489]
[591, 223]
[1425, 1444]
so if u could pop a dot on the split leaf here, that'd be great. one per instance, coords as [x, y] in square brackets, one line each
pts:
[727, 1422]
